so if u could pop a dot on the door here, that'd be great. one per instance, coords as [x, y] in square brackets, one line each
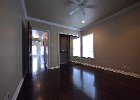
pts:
[29, 48]
[26, 49]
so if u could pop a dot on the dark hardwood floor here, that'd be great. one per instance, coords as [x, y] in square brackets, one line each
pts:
[77, 82]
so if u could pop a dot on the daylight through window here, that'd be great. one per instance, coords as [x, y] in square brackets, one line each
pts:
[88, 46]
[76, 47]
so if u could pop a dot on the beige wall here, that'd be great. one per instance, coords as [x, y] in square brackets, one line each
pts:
[117, 42]
[10, 46]
[54, 55]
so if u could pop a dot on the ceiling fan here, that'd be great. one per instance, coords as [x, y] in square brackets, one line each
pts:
[81, 5]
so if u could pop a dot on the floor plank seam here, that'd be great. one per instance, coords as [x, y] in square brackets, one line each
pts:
[56, 67]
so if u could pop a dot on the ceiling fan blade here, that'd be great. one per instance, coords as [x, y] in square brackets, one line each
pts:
[75, 1]
[91, 6]
[75, 10]
[85, 1]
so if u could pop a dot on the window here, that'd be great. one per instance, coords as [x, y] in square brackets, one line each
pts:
[42, 50]
[34, 50]
[88, 46]
[76, 47]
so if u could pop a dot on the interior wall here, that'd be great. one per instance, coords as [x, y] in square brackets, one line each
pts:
[11, 15]
[117, 42]
[54, 55]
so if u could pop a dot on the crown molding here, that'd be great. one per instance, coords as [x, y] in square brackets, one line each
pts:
[24, 8]
[52, 23]
[73, 28]
[44, 21]
[111, 16]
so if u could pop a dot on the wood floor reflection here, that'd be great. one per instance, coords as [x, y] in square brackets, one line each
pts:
[76, 82]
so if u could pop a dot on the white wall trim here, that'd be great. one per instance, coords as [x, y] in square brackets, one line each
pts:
[44, 21]
[17, 90]
[24, 8]
[73, 28]
[52, 23]
[49, 48]
[58, 37]
[111, 16]
[110, 69]
[56, 67]
[77, 35]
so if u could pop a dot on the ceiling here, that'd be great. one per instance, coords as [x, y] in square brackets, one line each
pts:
[57, 11]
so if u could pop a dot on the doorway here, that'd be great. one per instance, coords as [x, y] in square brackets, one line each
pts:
[64, 47]
[40, 51]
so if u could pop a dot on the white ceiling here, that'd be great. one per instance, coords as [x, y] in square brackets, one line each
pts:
[57, 11]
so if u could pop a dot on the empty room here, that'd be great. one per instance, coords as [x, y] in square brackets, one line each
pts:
[70, 50]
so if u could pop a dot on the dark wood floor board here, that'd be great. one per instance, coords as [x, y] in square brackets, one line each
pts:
[77, 82]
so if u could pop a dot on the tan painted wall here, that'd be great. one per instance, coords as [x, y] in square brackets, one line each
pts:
[10, 46]
[54, 55]
[117, 42]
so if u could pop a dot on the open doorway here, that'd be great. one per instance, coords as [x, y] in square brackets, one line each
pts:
[40, 45]
[65, 48]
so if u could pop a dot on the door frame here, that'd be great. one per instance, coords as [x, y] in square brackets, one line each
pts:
[49, 51]
[59, 44]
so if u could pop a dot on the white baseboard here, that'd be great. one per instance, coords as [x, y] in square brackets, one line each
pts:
[110, 69]
[17, 90]
[56, 67]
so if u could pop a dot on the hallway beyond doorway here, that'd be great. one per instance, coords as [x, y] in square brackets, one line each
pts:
[40, 45]
[37, 65]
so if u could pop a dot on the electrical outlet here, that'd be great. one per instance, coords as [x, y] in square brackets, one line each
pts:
[8, 95]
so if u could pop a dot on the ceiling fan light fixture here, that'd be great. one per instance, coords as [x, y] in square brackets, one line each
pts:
[83, 21]
[81, 5]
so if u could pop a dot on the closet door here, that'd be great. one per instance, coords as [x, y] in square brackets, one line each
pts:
[64, 49]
